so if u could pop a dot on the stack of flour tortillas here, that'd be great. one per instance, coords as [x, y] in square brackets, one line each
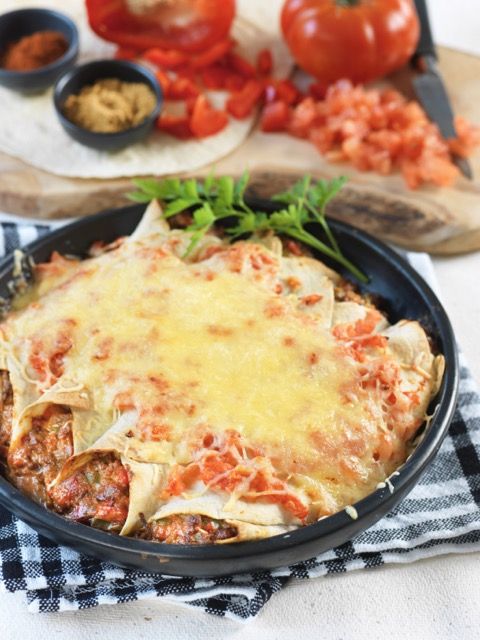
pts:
[29, 128]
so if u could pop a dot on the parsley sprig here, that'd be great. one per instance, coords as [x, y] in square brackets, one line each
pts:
[223, 199]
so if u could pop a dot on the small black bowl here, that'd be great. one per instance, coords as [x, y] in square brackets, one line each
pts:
[24, 22]
[404, 294]
[75, 79]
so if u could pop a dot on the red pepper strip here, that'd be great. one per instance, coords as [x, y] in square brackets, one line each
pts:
[205, 120]
[283, 90]
[240, 65]
[166, 58]
[241, 104]
[215, 76]
[235, 82]
[163, 80]
[181, 89]
[275, 116]
[264, 62]
[127, 53]
[317, 91]
[211, 55]
[178, 126]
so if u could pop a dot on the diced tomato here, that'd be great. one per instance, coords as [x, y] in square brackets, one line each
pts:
[275, 116]
[303, 117]
[205, 120]
[242, 103]
[264, 62]
[215, 53]
[237, 63]
[467, 140]
[177, 126]
[166, 58]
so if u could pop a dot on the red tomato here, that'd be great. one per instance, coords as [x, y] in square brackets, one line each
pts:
[356, 39]
[186, 25]
[205, 120]
[275, 116]
[241, 104]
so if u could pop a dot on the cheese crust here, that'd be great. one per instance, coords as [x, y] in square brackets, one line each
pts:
[236, 394]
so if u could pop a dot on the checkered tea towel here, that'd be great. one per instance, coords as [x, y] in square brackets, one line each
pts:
[441, 515]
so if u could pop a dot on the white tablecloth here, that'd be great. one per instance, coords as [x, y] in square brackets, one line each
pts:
[437, 599]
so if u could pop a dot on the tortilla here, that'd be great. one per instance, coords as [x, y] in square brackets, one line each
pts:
[30, 130]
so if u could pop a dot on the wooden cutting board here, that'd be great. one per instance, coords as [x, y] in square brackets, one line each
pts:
[442, 221]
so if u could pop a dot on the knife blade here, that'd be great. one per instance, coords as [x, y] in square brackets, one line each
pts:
[430, 88]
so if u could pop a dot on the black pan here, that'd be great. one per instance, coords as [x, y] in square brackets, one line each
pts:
[403, 293]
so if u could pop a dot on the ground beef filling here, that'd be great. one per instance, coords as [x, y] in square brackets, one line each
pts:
[6, 408]
[36, 461]
[96, 494]
[187, 529]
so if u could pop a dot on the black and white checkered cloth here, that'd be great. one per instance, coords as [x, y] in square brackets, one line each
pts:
[441, 515]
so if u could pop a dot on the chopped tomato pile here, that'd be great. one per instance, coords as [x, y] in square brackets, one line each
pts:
[374, 130]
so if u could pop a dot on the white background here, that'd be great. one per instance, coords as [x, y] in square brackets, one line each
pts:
[436, 599]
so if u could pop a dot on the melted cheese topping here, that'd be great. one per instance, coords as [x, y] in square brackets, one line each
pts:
[161, 352]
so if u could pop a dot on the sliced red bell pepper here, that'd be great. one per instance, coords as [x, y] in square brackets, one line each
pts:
[264, 62]
[208, 57]
[163, 80]
[241, 103]
[235, 82]
[178, 126]
[166, 58]
[185, 26]
[283, 90]
[275, 116]
[205, 120]
[237, 63]
[127, 53]
[182, 88]
[214, 77]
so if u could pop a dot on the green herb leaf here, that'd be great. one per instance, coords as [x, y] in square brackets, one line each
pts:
[222, 199]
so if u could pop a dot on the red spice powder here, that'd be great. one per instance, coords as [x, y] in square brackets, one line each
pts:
[35, 51]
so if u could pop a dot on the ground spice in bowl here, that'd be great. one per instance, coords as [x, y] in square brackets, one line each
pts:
[110, 105]
[34, 51]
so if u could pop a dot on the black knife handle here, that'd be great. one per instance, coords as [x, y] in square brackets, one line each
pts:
[426, 46]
